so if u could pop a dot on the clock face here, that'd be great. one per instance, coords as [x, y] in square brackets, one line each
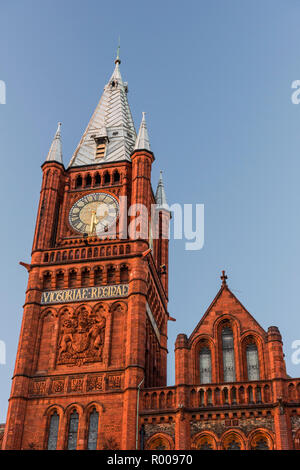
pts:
[94, 213]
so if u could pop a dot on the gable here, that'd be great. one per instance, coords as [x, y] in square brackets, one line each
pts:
[226, 304]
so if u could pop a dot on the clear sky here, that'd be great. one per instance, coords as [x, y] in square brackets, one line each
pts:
[215, 78]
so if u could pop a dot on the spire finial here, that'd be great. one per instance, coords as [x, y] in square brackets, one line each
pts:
[224, 278]
[118, 61]
[58, 129]
[160, 195]
[142, 140]
[55, 152]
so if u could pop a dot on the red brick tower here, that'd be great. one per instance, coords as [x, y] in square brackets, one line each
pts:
[95, 316]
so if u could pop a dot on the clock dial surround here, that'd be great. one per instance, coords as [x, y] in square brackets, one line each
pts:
[94, 213]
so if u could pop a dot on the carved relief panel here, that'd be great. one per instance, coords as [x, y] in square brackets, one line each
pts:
[81, 337]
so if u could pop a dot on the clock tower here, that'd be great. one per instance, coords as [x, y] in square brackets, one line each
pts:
[94, 329]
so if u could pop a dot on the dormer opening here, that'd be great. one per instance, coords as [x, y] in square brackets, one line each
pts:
[101, 143]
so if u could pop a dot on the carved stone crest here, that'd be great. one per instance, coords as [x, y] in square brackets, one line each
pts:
[81, 338]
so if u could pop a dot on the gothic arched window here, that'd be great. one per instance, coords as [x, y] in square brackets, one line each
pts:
[205, 366]
[116, 177]
[93, 430]
[106, 178]
[47, 281]
[252, 362]
[260, 442]
[73, 430]
[124, 274]
[111, 275]
[60, 280]
[261, 445]
[233, 445]
[53, 431]
[97, 179]
[78, 183]
[88, 181]
[85, 277]
[98, 276]
[72, 278]
[205, 445]
[228, 355]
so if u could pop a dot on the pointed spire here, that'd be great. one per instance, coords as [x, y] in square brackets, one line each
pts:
[142, 141]
[160, 196]
[111, 125]
[118, 54]
[116, 73]
[55, 152]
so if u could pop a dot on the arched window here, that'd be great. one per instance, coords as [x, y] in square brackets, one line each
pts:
[93, 430]
[106, 178]
[116, 177]
[97, 179]
[228, 355]
[78, 183]
[233, 445]
[72, 278]
[60, 280]
[260, 442]
[111, 275]
[124, 274]
[73, 430]
[47, 281]
[98, 276]
[53, 431]
[88, 181]
[85, 277]
[261, 445]
[252, 362]
[205, 446]
[205, 366]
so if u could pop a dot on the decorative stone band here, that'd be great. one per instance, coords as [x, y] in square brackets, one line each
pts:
[153, 322]
[84, 293]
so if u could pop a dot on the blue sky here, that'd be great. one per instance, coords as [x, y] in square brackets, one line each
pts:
[215, 78]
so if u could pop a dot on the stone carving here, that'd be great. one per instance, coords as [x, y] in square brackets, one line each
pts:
[246, 425]
[38, 388]
[81, 338]
[58, 386]
[166, 428]
[76, 385]
[95, 383]
[110, 444]
[114, 381]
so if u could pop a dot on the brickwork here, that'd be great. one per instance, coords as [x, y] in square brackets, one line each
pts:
[94, 338]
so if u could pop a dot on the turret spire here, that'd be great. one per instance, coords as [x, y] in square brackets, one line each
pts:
[160, 196]
[118, 61]
[110, 134]
[55, 152]
[142, 141]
